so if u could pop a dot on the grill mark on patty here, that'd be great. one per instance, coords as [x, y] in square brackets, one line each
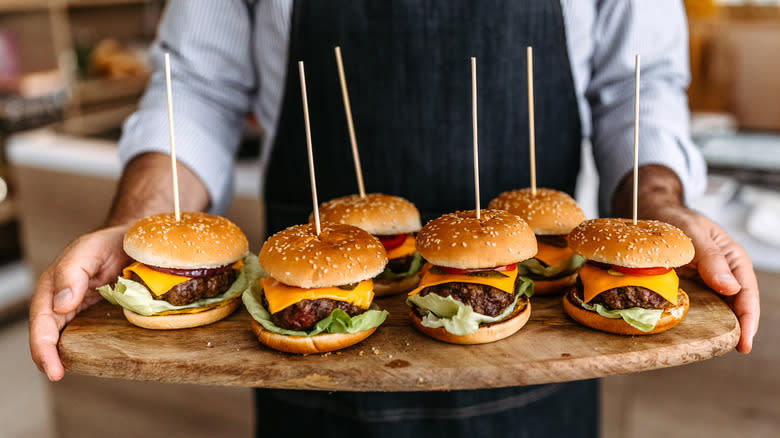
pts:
[195, 288]
[304, 314]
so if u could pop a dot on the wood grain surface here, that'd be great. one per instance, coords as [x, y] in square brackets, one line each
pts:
[550, 348]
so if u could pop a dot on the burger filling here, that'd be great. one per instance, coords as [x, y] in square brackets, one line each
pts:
[639, 295]
[553, 260]
[462, 300]
[147, 291]
[403, 260]
[303, 315]
[297, 311]
[193, 289]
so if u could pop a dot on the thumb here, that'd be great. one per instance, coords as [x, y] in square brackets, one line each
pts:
[86, 259]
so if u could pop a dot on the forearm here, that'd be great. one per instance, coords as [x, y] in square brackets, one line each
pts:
[146, 188]
[659, 187]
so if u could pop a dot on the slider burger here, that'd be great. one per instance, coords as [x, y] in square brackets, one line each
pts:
[393, 220]
[317, 295]
[186, 273]
[551, 215]
[629, 286]
[470, 291]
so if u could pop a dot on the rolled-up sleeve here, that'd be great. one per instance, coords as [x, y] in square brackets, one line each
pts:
[656, 30]
[213, 83]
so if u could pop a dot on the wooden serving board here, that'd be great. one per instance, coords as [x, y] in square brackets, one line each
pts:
[550, 348]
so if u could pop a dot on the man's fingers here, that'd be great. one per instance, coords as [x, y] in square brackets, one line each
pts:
[714, 269]
[45, 330]
[746, 304]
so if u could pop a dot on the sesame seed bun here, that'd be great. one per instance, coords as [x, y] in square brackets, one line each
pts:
[486, 332]
[647, 244]
[459, 240]
[321, 343]
[183, 320]
[549, 212]
[671, 316]
[379, 214]
[341, 254]
[198, 240]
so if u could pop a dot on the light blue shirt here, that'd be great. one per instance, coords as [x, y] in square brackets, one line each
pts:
[229, 58]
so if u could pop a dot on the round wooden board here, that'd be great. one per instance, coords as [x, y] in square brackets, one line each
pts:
[550, 348]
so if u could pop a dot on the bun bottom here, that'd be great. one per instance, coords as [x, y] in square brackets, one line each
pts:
[485, 333]
[308, 344]
[670, 318]
[554, 287]
[383, 288]
[183, 320]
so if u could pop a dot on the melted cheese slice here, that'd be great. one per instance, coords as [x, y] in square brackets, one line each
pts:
[158, 282]
[552, 255]
[596, 281]
[403, 250]
[506, 284]
[280, 296]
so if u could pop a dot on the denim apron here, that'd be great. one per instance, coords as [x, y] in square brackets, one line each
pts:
[407, 68]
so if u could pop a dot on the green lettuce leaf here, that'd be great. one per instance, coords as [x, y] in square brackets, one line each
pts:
[337, 322]
[458, 318]
[134, 296]
[414, 267]
[642, 319]
[534, 269]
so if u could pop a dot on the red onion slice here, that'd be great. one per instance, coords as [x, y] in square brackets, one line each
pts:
[192, 272]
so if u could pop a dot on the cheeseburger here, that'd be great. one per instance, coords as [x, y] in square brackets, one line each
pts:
[470, 291]
[629, 286]
[186, 273]
[393, 220]
[551, 215]
[318, 292]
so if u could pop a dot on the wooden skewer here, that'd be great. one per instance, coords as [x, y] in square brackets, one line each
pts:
[474, 124]
[529, 52]
[175, 176]
[309, 148]
[636, 139]
[350, 125]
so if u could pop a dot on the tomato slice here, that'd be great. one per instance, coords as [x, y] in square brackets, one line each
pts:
[641, 271]
[392, 241]
[455, 271]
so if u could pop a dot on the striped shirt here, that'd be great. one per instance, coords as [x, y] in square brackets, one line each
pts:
[229, 58]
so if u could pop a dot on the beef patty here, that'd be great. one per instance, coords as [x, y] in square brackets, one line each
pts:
[304, 314]
[483, 299]
[401, 264]
[195, 288]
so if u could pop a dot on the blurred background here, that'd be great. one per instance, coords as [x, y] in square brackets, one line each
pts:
[72, 70]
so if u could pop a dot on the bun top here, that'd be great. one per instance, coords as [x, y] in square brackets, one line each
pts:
[550, 212]
[198, 240]
[341, 254]
[459, 240]
[648, 244]
[379, 214]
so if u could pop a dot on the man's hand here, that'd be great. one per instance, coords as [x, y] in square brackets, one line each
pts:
[720, 261]
[68, 287]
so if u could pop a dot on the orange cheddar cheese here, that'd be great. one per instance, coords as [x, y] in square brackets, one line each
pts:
[506, 284]
[281, 296]
[403, 250]
[552, 255]
[157, 282]
[596, 280]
